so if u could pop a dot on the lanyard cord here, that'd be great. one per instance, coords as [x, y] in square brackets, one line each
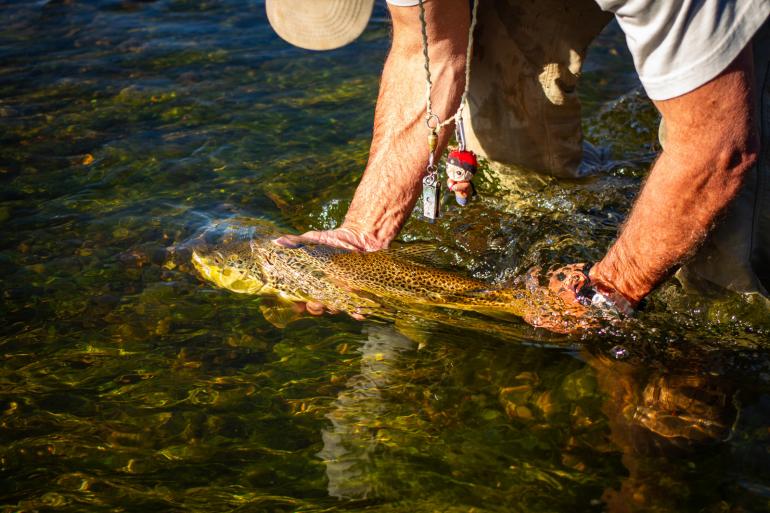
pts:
[431, 119]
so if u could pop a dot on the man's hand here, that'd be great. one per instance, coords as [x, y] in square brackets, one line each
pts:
[572, 300]
[345, 238]
[556, 306]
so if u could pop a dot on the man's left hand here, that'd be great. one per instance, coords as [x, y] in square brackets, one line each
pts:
[560, 310]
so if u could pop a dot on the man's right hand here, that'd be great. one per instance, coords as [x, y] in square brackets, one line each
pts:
[345, 238]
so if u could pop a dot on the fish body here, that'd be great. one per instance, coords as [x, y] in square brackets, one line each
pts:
[248, 261]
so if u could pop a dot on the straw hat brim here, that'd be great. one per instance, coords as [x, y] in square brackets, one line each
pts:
[319, 24]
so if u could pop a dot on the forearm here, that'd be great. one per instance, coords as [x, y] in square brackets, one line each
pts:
[673, 215]
[711, 145]
[399, 152]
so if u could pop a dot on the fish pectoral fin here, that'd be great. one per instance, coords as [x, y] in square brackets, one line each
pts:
[418, 332]
[362, 298]
[280, 312]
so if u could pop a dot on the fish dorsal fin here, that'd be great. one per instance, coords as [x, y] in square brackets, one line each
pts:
[423, 253]
[279, 312]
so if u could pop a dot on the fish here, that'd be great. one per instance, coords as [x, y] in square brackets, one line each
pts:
[246, 260]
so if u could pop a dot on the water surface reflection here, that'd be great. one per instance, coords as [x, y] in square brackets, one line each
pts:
[638, 435]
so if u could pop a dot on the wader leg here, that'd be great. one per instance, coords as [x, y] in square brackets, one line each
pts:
[736, 255]
[523, 107]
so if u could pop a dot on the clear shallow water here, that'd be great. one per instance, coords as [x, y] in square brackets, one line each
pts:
[127, 384]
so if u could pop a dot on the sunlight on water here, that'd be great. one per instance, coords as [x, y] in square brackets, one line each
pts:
[129, 384]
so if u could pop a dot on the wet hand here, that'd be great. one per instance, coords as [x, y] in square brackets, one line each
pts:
[344, 238]
[566, 283]
[557, 304]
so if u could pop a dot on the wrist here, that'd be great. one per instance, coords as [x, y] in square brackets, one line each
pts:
[365, 239]
[612, 286]
[576, 282]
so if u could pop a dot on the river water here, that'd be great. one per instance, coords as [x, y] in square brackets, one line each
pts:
[128, 384]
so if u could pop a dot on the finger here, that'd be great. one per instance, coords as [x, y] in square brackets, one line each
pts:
[532, 278]
[566, 277]
[556, 279]
[312, 237]
[290, 241]
[567, 295]
[326, 238]
[340, 238]
[314, 308]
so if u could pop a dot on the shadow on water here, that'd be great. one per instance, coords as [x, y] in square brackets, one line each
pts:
[128, 384]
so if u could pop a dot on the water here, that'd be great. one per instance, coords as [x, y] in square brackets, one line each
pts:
[127, 384]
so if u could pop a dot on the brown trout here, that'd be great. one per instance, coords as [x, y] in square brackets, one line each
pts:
[245, 259]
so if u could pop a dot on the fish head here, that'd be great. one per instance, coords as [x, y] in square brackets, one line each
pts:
[230, 266]
[244, 257]
[230, 255]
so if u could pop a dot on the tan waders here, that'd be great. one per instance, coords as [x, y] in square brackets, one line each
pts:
[523, 106]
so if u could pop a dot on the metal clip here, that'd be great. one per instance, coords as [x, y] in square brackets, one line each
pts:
[431, 195]
[460, 131]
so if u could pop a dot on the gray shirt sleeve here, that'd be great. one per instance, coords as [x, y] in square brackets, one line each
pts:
[679, 45]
